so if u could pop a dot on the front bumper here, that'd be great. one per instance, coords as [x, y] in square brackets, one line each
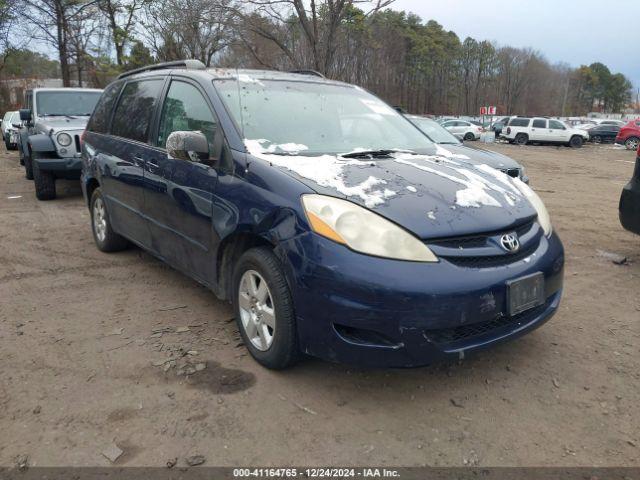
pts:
[370, 311]
[630, 202]
[70, 167]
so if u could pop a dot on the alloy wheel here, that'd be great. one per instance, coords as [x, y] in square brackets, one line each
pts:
[99, 219]
[632, 143]
[257, 311]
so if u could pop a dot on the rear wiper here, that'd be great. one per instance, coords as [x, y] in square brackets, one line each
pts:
[376, 153]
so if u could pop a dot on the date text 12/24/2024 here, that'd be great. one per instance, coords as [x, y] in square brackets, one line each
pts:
[317, 472]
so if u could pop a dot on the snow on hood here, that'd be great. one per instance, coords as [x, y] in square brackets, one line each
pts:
[475, 185]
[325, 170]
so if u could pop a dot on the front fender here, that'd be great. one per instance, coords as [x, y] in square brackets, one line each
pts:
[41, 143]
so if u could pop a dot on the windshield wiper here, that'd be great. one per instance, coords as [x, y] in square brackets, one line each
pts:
[376, 153]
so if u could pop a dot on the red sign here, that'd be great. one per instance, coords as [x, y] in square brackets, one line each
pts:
[483, 110]
[492, 110]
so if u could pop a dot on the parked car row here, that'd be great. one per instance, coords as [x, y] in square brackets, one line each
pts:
[306, 202]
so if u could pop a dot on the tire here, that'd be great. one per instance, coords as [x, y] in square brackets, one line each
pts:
[521, 139]
[596, 139]
[576, 142]
[7, 144]
[45, 183]
[28, 167]
[106, 239]
[469, 136]
[632, 143]
[274, 346]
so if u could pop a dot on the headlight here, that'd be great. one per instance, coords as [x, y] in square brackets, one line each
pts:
[64, 139]
[543, 215]
[362, 230]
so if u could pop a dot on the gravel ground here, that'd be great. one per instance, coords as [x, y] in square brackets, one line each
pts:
[84, 335]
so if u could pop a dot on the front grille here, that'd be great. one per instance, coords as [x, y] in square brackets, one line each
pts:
[489, 261]
[479, 241]
[475, 330]
[77, 142]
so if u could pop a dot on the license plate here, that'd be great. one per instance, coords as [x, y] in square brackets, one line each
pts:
[525, 293]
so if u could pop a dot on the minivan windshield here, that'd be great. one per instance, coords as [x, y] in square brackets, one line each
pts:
[66, 103]
[434, 130]
[316, 118]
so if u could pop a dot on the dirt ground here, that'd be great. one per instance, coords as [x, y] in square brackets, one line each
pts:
[83, 335]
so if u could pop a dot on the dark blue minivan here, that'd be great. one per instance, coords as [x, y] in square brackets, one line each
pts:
[334, 225]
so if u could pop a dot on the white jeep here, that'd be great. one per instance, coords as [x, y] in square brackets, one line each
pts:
[523, 130]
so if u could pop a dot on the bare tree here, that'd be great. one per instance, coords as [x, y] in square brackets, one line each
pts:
[121, 16]
[49, 21]
[196, 29]
[318, 22]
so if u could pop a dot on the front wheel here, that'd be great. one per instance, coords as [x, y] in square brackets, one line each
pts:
[632, 143]
[106, 239]
[45, 183]
[576, 142]
[264, 309]
[521, 139]
[469, 136]
[28, 167]
[596, 139]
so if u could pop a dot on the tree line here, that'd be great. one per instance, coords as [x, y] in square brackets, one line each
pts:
[397, 55]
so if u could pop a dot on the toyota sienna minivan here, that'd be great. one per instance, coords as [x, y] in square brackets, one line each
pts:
[334, 226]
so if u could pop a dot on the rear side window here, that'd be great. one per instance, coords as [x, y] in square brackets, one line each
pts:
[556, 125]
[134, 112]
[99, 121]
[519, 122]
[539, 123]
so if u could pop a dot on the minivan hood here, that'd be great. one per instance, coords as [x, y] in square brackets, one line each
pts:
[63, 123]
[432, 196]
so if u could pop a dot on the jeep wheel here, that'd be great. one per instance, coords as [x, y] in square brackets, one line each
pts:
[106, 239]
[264, 309]
[469, 136]
[521, 139]
[632, 143]
[28, 167]
[45, 182]
[576, 142]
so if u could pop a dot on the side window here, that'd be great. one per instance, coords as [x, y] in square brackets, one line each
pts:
[185, 109]
[556, 125]
[99, 121]
[134, 112]
[519, 122]
[539, 123]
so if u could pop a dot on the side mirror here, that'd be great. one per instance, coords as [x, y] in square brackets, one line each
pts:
[188, 146]
[25, 114]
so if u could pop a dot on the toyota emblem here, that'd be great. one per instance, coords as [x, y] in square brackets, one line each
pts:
[510, 242]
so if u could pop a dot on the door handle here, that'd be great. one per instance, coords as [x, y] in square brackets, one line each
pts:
[138, 161]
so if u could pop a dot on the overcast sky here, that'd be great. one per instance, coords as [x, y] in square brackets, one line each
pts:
[572, 31]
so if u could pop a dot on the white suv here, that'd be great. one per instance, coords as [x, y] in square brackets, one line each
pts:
[523, 130]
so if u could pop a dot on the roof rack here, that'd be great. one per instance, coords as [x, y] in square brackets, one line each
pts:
[188, 64]
[314, 73]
